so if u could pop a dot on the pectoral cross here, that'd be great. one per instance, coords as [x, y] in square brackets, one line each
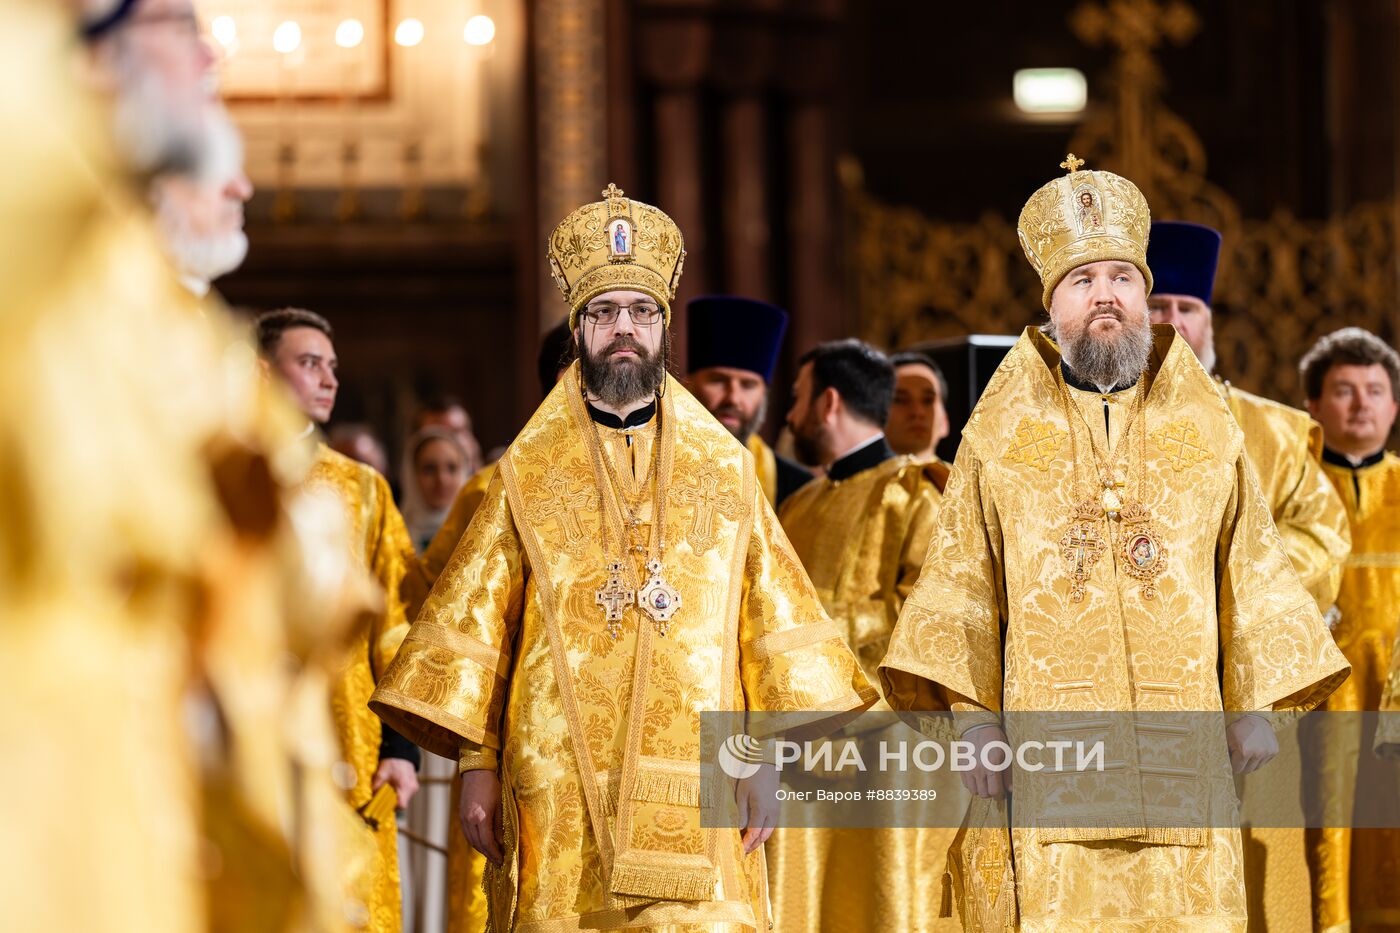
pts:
[1081, 547]
[613, 597]
[704, 494]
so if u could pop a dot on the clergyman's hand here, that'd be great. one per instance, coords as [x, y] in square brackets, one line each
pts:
[1252, 743]
[981, 780]
[479, 813]
[757, 797]
[401, 775]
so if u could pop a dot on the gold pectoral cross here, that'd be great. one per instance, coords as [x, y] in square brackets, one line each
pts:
[1081, 547]
[614, 596]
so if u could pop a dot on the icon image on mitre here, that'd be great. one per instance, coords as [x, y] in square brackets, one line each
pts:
[619, 238]
[1088, 209]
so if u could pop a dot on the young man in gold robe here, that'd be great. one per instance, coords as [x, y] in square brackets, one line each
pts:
[1352, 380]
[297, 346]
[1104, 550]
[862, 531]
[1284, 446]
[622, 574]
[732, 347]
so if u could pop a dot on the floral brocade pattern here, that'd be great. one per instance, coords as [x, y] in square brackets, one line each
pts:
[991, 625]
[599, 737]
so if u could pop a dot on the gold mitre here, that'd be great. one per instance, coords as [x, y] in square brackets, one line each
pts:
[1084, 217]
[616, 244]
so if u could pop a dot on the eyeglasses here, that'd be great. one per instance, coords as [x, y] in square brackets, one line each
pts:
[642, 314]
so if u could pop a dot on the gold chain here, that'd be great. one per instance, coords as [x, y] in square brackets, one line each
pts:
[1107, 472]
[606, 475]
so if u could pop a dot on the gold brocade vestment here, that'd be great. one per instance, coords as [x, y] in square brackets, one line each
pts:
[380, 544]
[1355, 870]
[466, 899]
[598, 738]
[863, 541]
[992, 626]
[1284, 445]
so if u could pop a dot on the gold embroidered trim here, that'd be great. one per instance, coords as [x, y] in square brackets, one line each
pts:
[666, 912]
[549, 610]
[477, 759]
[1182, 444]
[458, 727]
[776, 643]
[1036, 444]
[474, 650]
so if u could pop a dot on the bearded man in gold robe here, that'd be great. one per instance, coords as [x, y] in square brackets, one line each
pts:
[622, 574]
[298, 347]
[862, 531]
[1104, 553]
[1284, 446]
[1352, 380]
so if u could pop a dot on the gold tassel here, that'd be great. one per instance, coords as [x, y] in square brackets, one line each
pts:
[945, 905]
[682, 790]
[696, 884]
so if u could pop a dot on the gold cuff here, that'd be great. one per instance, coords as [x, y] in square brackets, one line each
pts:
[476, 758]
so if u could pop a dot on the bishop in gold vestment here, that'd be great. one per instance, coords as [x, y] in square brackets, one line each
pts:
[538, 653]
[862, 532]
[1284, 446]
[1106, 549]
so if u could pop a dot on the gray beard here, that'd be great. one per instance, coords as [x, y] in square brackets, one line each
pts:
[622, 383]
[1108, 362]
